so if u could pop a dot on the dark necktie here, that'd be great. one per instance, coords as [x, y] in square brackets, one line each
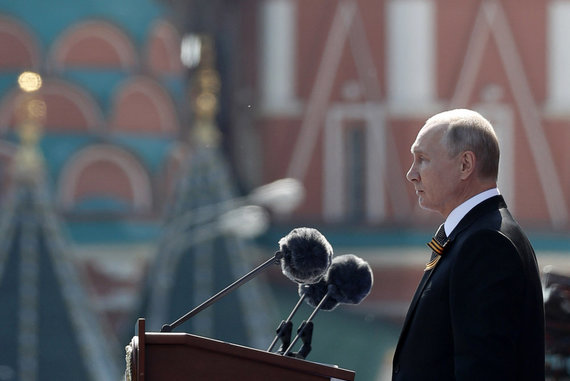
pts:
[437, 245]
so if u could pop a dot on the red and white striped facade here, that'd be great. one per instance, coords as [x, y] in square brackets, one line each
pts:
[345, 85]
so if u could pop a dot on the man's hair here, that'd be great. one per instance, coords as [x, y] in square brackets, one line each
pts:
[467, 130]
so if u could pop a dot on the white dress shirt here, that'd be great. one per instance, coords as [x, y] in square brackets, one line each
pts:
[458, 213]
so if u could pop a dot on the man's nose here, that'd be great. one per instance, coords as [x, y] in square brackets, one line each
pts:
[412, 174]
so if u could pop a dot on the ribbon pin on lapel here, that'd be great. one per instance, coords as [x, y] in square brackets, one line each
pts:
[437, 245]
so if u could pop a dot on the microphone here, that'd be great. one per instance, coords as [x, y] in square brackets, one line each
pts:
[304, 254]
[349, 280]
[352, 278]
[307, 255]
[314, 293]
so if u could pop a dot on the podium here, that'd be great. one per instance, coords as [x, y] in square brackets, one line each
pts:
[155, 356]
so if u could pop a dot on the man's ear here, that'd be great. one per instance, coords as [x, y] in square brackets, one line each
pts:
[467, 164]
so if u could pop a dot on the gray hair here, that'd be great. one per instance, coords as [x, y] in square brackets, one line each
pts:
[468, 130]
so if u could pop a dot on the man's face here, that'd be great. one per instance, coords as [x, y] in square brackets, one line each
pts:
[436, 176]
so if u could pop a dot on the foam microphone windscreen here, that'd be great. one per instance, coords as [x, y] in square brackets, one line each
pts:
[315, 292]
[307, 255]
[352, 278]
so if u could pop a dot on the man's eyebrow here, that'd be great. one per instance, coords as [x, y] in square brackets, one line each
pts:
[415, 149]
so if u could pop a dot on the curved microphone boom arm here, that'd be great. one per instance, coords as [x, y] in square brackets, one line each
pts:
[284, 329]
[274, 260]
[305, 331]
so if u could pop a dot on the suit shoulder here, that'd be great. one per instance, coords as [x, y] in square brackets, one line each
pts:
[484, 238]
[486, 249]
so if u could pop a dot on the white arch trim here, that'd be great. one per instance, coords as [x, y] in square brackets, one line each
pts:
[150, 88]
[86, 105]
[83, 100]
[136, 174]
[166, 32]
[103, 30]
[24, 35]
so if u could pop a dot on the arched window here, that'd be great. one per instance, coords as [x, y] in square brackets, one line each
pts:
[142, 105]
[93, 44]
[163, 50]
[105, 179]
[68, 108]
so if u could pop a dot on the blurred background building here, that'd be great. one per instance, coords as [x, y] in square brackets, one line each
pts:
[159, 117]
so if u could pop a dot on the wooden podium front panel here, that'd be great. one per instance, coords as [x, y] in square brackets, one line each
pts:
[178, 356]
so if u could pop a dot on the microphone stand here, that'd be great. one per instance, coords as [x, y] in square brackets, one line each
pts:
[305, 331]
[276, 258]
[285, 328]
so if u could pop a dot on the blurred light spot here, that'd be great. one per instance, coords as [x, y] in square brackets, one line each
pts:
[190, 50]
[30, 81]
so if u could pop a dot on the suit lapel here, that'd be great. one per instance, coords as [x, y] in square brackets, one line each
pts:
[415, 299]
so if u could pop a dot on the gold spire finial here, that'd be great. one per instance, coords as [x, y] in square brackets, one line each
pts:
[31, 113]
[204, 96]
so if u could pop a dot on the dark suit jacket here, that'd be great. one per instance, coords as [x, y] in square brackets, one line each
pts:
[478, 315]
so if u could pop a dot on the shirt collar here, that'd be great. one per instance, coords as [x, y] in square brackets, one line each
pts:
[459, 212]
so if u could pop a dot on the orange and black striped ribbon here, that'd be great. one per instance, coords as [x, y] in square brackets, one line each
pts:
[437, 246]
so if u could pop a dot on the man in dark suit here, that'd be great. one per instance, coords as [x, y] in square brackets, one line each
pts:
[478, 311]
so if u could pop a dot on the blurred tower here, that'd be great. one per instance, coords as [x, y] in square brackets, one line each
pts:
[49, 330]
[197, 256]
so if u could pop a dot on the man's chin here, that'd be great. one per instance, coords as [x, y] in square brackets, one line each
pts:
[425, 205]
